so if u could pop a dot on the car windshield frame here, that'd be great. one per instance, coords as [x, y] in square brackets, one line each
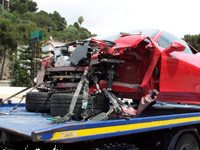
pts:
[113, 36]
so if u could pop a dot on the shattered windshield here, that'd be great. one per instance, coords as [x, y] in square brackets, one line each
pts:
[146, 32]
[112, 37]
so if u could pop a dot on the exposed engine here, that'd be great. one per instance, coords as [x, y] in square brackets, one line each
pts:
[99, 76]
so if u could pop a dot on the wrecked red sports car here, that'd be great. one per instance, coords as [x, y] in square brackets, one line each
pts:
[151, 59]
[144, 66]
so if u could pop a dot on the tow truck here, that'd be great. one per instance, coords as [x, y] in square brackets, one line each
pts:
[164, 126]
[91, 101]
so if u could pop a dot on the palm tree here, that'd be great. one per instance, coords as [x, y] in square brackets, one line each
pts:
[80, 20]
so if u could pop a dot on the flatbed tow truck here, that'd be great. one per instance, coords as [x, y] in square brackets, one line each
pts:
[164, 129]
[127, 94]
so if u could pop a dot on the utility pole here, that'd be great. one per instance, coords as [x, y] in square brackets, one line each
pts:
[36, 37]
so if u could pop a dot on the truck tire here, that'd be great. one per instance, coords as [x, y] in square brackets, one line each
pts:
[60, 104]
[187, 142]
[38, 102]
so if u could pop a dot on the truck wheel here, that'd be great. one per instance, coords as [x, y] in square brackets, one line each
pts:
[60, 104]
[38, 102]
[187, 142]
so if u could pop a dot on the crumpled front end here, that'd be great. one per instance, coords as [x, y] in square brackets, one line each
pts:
[130, 67]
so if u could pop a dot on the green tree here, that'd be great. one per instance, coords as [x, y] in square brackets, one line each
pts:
[23, 6]
[21, 76]
[28, 62]
[7, 41]
[76, 25]
[32, 6]
[59, 21]
[72, 33]
[84, 33]
[9, 16]
[193, 40]
[43, 20]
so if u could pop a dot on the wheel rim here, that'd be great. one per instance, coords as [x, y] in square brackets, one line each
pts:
[186, 147]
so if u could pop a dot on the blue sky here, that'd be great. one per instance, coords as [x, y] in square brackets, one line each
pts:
[179, 17]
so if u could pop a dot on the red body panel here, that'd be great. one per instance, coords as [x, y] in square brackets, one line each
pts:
[180, 74]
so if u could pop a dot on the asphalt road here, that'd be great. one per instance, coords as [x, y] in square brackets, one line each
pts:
[5, 92]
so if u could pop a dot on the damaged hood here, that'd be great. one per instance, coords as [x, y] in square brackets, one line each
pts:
[130, 41]
[125, 42]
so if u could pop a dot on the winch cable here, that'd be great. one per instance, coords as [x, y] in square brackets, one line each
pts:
[24, 96]
[17, 105]
[8, 99]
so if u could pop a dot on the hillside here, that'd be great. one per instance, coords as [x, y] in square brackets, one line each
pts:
[16, 24]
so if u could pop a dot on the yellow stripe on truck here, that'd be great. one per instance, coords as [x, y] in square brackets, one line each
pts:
[119, 128]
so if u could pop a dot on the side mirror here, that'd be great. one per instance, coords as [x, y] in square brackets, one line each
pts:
[175, 46]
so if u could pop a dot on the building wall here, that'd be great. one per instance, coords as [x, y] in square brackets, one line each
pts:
[6, 4]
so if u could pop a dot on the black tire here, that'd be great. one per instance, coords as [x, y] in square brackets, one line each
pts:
[63, 98]
[60, 104]
[38, 102]
[187, 142]
[101, 103]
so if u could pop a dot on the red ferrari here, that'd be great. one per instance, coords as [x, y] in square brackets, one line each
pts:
[144, 65]
[153, 60]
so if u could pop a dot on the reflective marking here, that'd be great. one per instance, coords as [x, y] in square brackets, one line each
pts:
[120, 128]
[69, 134]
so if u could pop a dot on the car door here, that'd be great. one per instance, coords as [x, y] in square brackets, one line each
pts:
[179, 74]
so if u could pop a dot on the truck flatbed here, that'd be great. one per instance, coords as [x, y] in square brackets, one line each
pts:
[37, 127]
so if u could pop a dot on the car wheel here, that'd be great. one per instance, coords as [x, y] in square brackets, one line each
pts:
[187, 142]
[60, 104]
[38, 102]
